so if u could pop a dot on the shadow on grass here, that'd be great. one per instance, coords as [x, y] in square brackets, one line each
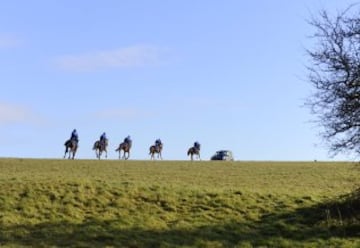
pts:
[318, 224]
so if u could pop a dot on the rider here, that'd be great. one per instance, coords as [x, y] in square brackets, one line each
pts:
[128, 140]
[103, 138]
[74, 136]
[197, 145]
[157, 142]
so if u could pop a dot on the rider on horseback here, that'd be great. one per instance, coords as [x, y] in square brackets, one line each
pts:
[74, 136]
[72, 144]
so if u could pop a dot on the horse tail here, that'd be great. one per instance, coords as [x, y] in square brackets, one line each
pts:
[95, 145]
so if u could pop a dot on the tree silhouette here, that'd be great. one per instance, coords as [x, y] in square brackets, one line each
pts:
[334, 71]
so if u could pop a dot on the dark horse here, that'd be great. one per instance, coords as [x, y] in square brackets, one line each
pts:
[156, 149]
[124, 146]
[71, 146]
[100, 147]
[193, 150]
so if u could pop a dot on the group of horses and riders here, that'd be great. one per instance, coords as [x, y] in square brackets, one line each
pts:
[100, 147]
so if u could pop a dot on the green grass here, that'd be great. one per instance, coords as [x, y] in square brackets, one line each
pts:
[82, 203]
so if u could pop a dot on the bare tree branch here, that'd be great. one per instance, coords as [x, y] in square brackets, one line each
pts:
[334, 72]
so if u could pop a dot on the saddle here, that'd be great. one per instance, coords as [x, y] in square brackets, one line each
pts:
[128, 142]
[158, 147]
[70, 142]
[103, 143]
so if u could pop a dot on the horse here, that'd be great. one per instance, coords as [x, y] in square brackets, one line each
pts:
[71, 148]
[100, 147]
[193, 150]
[124, 146]
[156, 149]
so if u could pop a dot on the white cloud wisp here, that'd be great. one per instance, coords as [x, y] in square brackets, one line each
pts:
[11, 114]
[128, 57]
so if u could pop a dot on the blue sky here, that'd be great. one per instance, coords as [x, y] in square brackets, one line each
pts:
[229, 74]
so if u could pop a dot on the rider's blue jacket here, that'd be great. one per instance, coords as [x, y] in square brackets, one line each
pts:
[74, 135]
[103, 136]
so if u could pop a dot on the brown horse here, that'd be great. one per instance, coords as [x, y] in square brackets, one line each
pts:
[156, 149]
[193, 150]
[100, 147]
[124, 146]
[71, 148]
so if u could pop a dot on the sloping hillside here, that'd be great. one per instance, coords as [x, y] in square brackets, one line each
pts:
[85, 203]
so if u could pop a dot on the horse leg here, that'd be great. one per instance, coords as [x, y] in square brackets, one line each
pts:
[151, 153]
[74, 152]
[68, 151]
[128, 155]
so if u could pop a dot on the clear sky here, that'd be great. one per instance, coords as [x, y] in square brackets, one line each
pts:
[229, 74]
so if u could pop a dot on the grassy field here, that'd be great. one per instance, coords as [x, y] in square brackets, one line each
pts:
[87, 203]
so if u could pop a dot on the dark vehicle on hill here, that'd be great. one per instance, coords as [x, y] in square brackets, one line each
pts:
[225, 155]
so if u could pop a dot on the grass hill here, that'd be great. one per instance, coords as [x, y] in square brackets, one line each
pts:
[82, 203]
